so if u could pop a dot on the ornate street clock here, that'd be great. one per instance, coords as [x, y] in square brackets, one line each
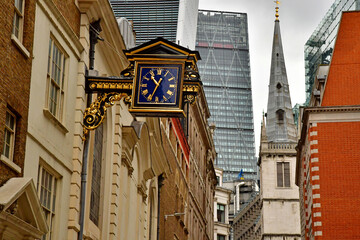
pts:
[161, 78]
[157, 87]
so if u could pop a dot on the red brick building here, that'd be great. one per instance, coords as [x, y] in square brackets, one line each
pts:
[187, 194]
[16, 42]
[328, 158]
[20, 213]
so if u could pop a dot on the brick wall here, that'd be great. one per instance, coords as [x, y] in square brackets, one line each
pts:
[15, 73]
[343, 82]
[339, 164]
[71, 13]
[172, 198]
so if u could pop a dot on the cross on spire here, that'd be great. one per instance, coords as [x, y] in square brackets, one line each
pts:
[277, 9]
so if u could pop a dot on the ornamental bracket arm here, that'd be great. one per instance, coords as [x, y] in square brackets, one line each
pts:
[109, 89]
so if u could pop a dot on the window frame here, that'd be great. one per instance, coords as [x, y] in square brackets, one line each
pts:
[51, 209]
[97, 175]
[20, 25]
[56, 79]
[285, 181]
[222, 215]
[12, 132]
[220, 237]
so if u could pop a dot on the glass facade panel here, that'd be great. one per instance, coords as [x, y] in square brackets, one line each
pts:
[151, 18]
[319, 47]
[222, 41]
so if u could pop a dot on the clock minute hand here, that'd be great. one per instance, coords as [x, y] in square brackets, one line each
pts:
[156, 87]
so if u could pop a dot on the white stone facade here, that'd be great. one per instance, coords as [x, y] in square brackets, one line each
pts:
[222, 198]
[187, 23]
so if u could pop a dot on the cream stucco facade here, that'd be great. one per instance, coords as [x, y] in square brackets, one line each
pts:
[50, 139]
[131, 158]
[222, 199]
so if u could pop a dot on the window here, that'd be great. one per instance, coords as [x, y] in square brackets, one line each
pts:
[221, 213]
[96, 176]
[220, 237]
[55, 79]
[47, 192]
[9, 135]
[283, 174]
[18, 19]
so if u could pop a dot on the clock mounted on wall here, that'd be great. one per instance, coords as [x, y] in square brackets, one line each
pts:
[157, 87]
[161, 78]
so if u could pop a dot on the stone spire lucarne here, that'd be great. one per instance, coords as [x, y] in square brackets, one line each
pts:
[280, 125]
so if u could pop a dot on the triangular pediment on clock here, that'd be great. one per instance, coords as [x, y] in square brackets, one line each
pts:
[161, 48]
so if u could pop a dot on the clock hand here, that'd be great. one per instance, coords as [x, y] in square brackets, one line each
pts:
[156, 87]
[152, 78]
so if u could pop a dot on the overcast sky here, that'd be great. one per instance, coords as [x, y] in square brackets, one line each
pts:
[298, 19]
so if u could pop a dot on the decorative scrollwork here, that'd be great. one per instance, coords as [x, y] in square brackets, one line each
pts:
[191, 73]
[190, 98]
[95, 114]
[128, 72]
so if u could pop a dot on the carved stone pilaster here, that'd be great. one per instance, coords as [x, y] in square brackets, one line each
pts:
[129, 139]
[126, 160]
[142, 189]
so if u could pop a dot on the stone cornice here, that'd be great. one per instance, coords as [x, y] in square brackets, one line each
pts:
[355, 108]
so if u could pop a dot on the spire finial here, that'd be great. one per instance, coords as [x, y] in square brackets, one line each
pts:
[277, 9]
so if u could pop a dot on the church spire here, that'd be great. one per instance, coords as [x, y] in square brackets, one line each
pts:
[280, 125]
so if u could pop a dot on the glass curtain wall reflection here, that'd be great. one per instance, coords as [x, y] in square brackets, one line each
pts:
[319, 47]
[152, 18]
[222, 41]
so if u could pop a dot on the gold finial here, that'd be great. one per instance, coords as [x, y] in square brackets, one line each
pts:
[277, 9]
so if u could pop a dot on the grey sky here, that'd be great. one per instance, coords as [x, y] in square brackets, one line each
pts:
[298, 19]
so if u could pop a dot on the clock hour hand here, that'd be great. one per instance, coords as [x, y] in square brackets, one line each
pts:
[152, 78]
[156, 87]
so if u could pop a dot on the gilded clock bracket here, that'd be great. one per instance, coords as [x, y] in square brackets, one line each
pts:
[95, 114]
[110, 89]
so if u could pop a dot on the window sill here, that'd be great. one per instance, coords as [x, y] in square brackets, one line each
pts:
[10, 164]
[21, 47]
[56, 122]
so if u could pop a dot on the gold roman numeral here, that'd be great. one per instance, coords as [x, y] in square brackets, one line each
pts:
[144, 85]
[146, 78]
[172, 85]
[167, 71]
[145, 92]
[172, 78]
[159, 71]
[156, 99]
[169, 92]
[165, 99]
[152, 73]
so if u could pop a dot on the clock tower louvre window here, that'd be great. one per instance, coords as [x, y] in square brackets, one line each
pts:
[283, 174]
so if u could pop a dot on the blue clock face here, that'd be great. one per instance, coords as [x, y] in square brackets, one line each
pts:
[158, 84]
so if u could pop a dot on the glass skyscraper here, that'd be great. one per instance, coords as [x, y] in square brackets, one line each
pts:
[222, 41]
[319, 47]
[173, 20]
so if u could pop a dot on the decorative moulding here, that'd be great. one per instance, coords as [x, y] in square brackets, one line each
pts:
[142, 190]
[84, 5]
